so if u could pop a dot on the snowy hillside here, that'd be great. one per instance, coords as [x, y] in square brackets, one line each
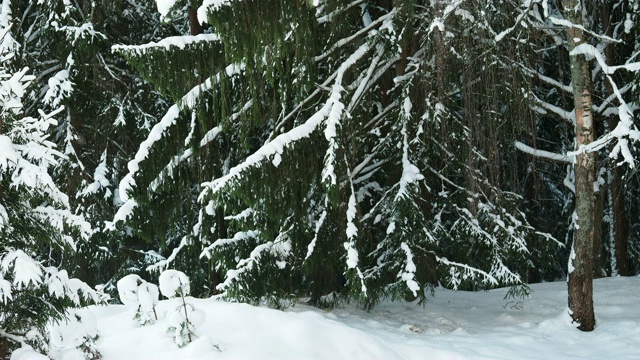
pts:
[453, 325]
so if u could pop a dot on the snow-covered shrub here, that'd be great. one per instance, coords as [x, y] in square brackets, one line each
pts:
[174, 283]
[141, 295]
[78, 333]
[185, 319]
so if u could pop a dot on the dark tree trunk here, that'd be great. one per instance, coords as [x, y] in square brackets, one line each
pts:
[580, 283]
[194, 25]
[620, 222]
[618, 206]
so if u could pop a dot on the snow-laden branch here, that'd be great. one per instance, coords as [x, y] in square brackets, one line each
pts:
[276, 147]
[520, 17]
[335, 114]
[319, 224]
[239, 236]
[567, 116]
[210, 5]
[165, 44]
[544, 154]
[591, 52]
[342, 42]
[409, 272]
[164, 264]
[625, 127]
[188, 101]
[244, 265]
[329, 17]
[568, 24]
[468, 270]
[551, 81]
[410, 173]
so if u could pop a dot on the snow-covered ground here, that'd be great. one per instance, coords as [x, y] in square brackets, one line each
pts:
[453, 325]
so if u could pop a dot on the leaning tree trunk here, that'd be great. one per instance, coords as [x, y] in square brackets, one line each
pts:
[581, 260]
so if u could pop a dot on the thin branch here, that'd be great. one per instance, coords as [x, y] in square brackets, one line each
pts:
[544, 154]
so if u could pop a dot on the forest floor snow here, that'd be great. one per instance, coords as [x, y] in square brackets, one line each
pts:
[452, 325]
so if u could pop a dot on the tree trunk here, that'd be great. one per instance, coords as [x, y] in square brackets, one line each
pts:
[194, 24]
[580, 282]
[598, 263]
[620, 220]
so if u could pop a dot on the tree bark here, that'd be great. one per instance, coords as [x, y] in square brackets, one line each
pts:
[580, 282]
[194, 24]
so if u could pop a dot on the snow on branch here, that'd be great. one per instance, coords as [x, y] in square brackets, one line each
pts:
[520, 17]
[210, 5]
[276, 146]
[591, 52]
[329, 17]
[245, 265]
[567, 116]
[568, 24]
[410, 173]
[544, 154]
[188, 101]
[239, 236]
[319, 224]
[409, 272]
[335, 113]
[467, 271]
[625, 127]
[347, 40]
[165, 44]
[164, 264]
[332, 109]
[178, 159]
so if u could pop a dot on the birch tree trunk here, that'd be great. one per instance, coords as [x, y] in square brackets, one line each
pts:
[580, 282]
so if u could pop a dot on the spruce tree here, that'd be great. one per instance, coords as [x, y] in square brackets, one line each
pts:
[38, 228]
[330, 154]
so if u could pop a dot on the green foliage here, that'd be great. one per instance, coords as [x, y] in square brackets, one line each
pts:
[277, 218]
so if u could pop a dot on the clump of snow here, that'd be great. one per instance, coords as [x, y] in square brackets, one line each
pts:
[141, 295]
[26, 352]
[128, 289]
[60, 87]
[174, 283]
[148, 297]
[75, 337]
[209, 5]
[409, 272]
[164, 6]
[26, 271]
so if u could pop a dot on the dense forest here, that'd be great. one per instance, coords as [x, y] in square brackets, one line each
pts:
[335, 150]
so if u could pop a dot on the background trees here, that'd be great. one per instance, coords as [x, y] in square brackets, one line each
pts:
[321, 149]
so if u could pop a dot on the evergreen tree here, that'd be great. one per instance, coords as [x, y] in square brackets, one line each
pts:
[108, 109]
[37, 226]
[407, 190]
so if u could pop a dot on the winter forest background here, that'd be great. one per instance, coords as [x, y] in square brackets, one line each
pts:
[356, 150]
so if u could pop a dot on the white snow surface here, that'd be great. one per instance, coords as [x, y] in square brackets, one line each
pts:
[452, 325]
